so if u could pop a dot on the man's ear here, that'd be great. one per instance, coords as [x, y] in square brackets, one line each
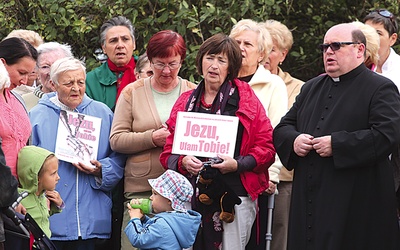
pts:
[361, 50]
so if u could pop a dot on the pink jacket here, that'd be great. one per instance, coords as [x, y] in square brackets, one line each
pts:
[256, 140]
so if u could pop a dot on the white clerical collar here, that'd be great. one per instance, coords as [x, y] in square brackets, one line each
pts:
[336, 79]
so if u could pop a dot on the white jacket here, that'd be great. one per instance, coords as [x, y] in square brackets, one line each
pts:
[271, 91]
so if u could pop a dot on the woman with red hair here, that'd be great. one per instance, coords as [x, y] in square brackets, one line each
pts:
[138, 127]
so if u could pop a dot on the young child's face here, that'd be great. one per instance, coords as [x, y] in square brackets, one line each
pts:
[49, 177]
[159, 203]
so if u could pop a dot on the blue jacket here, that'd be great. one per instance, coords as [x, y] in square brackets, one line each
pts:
[167, 230]
[87, 199]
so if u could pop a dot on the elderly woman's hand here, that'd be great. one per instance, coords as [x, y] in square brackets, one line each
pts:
[227, 166]
[95, 169]
[159, 136]
[192, 164]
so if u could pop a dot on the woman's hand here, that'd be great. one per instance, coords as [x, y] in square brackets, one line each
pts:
[227, 166]
[271, 188]
[159, 136]
[55, 197]
[191, 164]
[95, 169]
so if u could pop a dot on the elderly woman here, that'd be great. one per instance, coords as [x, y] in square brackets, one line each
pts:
[19, 58]
[84, 188]
[143, 68]
[219, 60]
[282, 40]
[48, 53]
[372, 47]
[256, 44]
[139, 122]
[106, 82]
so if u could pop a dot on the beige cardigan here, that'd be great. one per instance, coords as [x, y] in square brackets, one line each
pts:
[135, 118]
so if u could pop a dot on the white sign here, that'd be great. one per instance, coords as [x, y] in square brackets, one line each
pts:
[205, 135]
[77, 137]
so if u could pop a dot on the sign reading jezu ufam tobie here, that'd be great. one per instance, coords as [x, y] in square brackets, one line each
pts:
[77, 137]
[205, 135]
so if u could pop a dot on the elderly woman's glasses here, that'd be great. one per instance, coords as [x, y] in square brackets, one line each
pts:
[334, 46]
[44, 68]
[171, 66]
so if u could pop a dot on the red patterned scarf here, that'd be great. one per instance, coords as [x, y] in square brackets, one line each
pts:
[125, 74]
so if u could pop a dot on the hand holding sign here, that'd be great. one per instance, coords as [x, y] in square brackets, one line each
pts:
[205, 135]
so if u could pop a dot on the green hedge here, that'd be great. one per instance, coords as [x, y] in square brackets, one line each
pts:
[77, 23]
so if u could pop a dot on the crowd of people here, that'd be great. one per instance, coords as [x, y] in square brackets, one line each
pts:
[89, 146]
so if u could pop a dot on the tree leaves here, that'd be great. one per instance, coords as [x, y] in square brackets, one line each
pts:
[78, 22]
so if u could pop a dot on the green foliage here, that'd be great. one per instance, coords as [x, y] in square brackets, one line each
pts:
[78, 22]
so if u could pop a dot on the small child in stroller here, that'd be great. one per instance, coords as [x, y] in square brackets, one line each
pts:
[38, 175]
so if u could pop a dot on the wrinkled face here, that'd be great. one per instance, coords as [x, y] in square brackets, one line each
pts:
[385, 41]
[248, 44]
[165, 70]
[49, 177]
[159, 203]
[119, 45]
[32, 77]
[215, 69]
[71, 87]
[145, 72]
[275, 57]
[345, 59]
[45, 60]
[19, 72]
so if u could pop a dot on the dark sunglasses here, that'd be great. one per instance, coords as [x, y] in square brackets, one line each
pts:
[334, 46]
[387, 14]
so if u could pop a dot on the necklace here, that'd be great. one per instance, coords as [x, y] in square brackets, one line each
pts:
[205, 105]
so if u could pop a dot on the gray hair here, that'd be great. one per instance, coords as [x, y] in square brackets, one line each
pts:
[141, 62]
[56, 47]
[63, 65]
[116, 21]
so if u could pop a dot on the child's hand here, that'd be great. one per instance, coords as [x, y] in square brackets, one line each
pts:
[134, 212]
[55, 197]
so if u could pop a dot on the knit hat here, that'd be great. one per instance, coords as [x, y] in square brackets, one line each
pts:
[175, 187]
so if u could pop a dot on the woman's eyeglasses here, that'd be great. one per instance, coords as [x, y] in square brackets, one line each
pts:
[334, 46]
[171, 66]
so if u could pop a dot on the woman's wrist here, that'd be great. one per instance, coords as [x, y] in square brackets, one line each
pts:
[181, 167]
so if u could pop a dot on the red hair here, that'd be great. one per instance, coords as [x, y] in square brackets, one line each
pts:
[166, 43]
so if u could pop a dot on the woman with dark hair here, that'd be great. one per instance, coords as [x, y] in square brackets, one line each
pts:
[105, 83]
[138, 127]
[19, 59]
[219, 60]
[385, 24]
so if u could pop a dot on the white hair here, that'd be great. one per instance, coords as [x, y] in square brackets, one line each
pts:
[4, 78]
[65, 64]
